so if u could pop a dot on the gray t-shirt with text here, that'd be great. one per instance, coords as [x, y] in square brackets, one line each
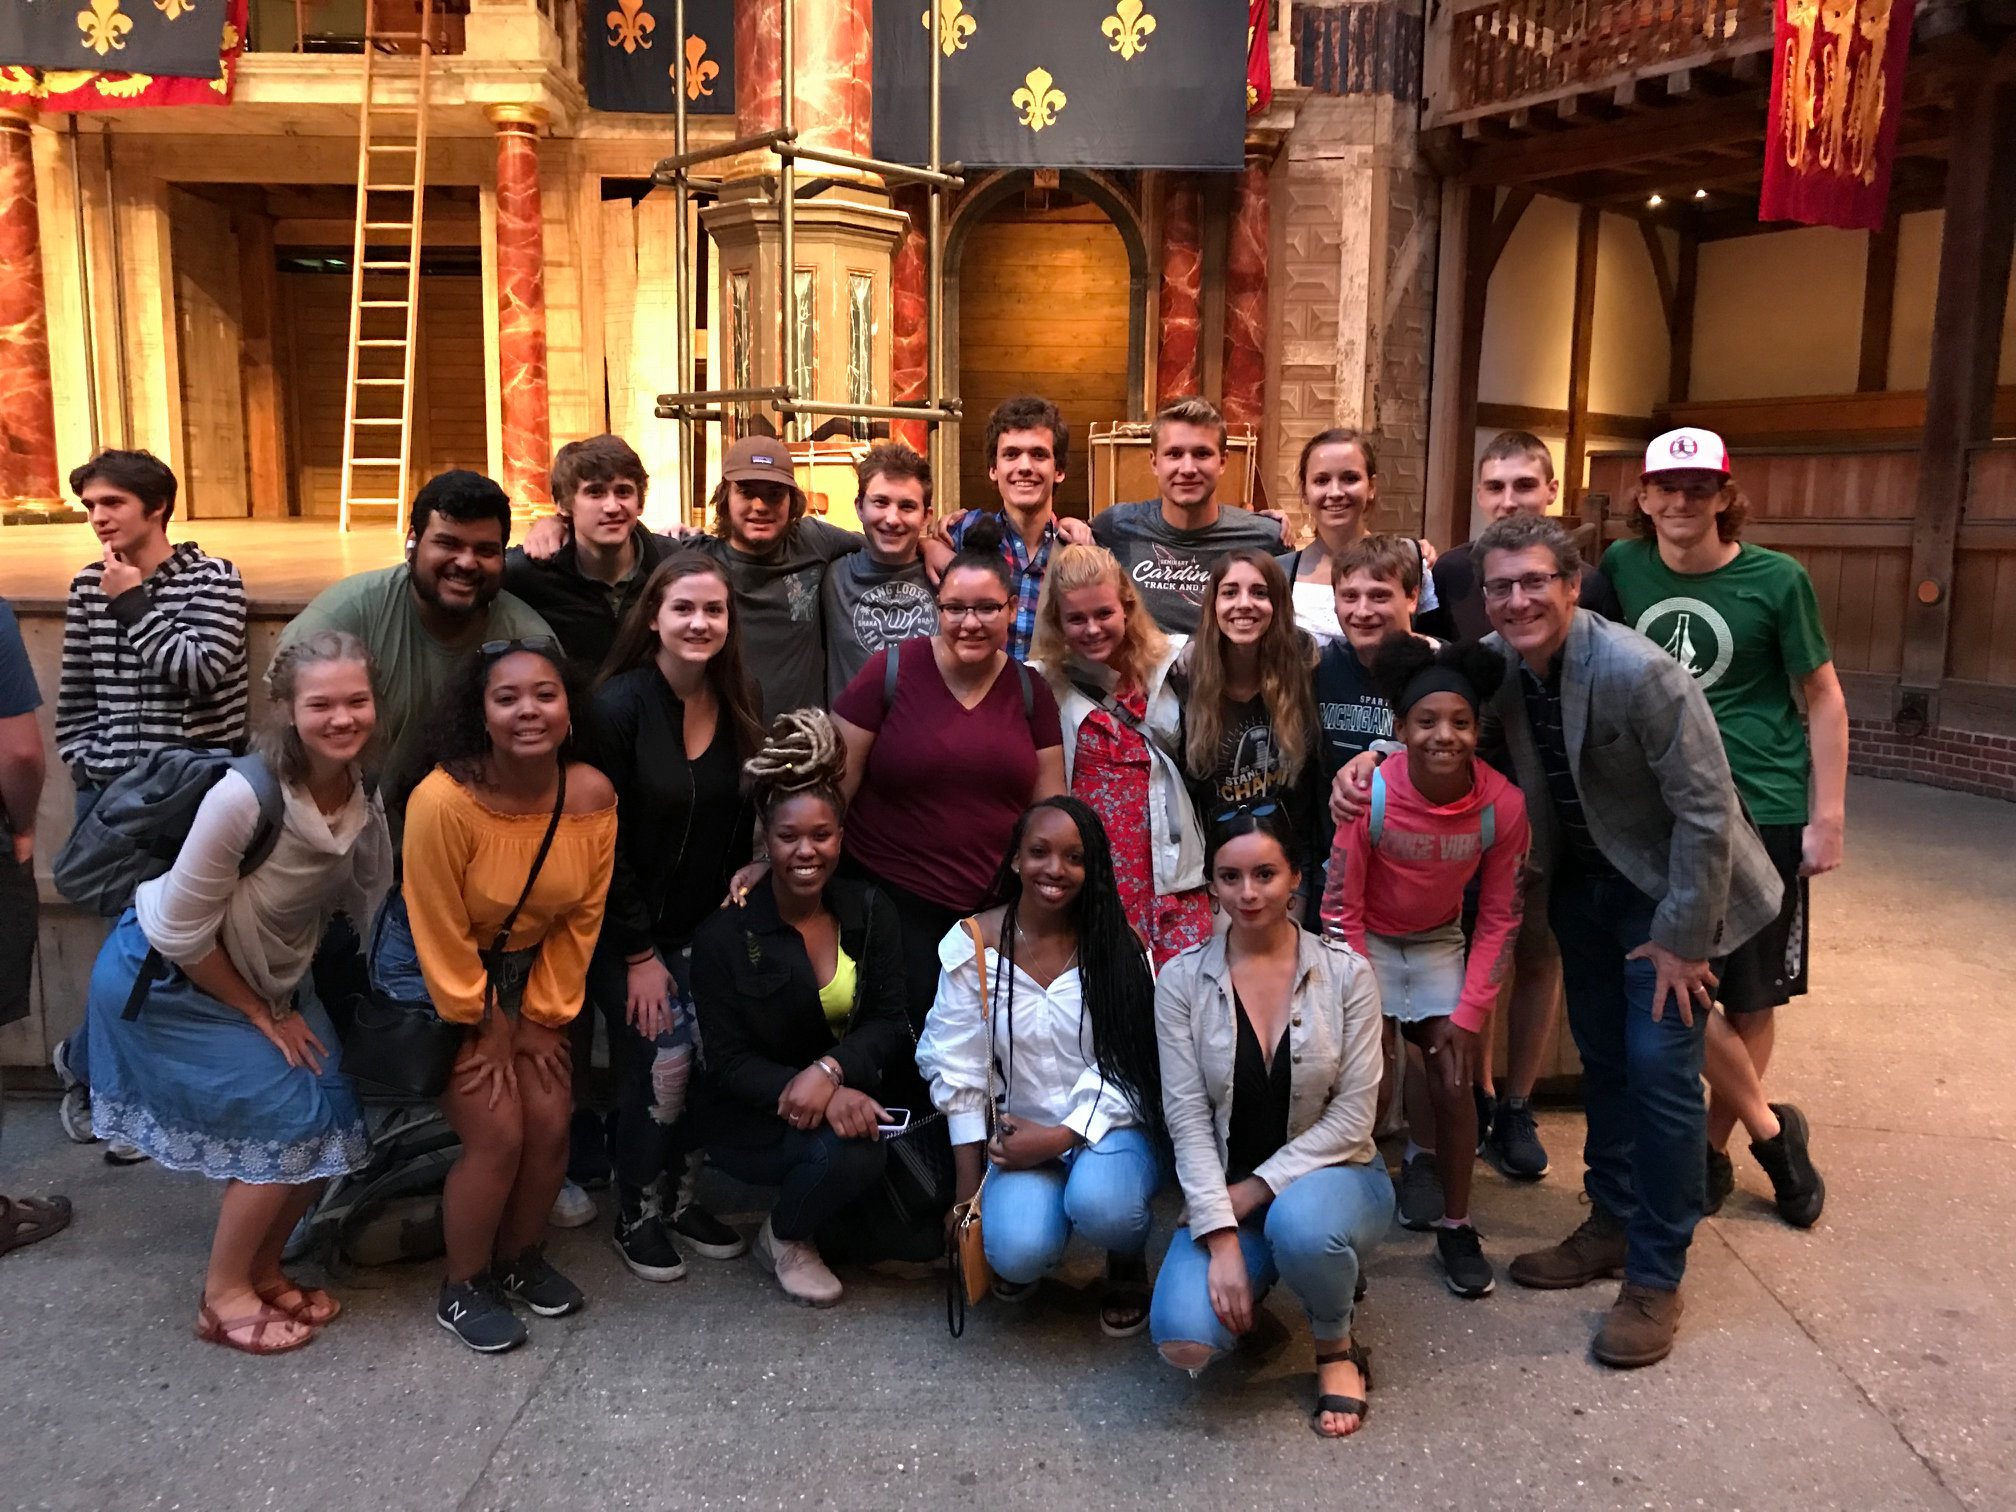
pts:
[1171, 567]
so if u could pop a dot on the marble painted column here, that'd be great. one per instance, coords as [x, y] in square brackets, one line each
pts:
[1178, 366]
[833, 101]
[27, 403]
[1245, 378]
[909, 359]
[521, 307]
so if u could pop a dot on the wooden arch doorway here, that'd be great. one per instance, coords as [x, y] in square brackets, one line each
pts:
[1047, 294]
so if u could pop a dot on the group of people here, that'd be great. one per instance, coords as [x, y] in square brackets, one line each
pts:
[1104, 853]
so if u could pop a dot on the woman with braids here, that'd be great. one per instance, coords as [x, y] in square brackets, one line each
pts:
[1249, 718]
[1109, 663]
[947, 741]
[507, 828]
[231, 1067]
[800, 992]
[675, 718]
[1270, 1086]
[1395, 893]
[1069, 1060]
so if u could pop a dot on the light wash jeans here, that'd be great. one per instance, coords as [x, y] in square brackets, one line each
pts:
[1100, 1191]
[1313, 1236]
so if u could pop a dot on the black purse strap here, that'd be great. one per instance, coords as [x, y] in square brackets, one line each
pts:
[495, 955]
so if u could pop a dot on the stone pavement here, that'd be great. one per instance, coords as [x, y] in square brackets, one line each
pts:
[1868, 1364]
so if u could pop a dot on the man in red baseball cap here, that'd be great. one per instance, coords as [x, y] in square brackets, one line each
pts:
[1744, 620]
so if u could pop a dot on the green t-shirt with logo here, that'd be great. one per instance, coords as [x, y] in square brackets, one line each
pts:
[1747, 631]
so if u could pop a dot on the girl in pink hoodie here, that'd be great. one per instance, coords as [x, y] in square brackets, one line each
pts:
[1395, 892]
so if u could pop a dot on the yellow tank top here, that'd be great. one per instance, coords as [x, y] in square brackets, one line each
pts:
[837, 996]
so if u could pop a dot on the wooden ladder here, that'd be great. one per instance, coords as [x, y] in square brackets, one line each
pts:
[385, 279]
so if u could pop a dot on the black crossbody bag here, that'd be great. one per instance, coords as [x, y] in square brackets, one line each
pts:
[405, 1046]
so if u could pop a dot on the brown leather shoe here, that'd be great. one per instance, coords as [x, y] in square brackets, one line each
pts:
[1639, 1329]
[1594, 1252]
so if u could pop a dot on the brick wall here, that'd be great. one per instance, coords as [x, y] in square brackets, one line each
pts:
[1963, 760]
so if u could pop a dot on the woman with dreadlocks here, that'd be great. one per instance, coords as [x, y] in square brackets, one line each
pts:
[800, 994]
[1061, 1042]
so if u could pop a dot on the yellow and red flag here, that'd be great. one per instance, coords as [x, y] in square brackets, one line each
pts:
[1837, 90]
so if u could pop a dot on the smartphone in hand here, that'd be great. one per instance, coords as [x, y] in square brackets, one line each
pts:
[898, 1123]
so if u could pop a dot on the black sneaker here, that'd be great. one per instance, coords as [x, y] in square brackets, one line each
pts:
[1721, 1182]
[1487, 1113]
[529, 1279]
[707, 1235]
[1513, 1144]
[1464, 1267]
[1799, 1191]
[476, 1314]
[646, 1247]
[1419, 1205]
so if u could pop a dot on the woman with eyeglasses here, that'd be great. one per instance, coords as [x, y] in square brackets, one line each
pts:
[1270, 1087]
[674, 719]
[1109, 665]
[508, 827]
[948, 741]
[1249, 712]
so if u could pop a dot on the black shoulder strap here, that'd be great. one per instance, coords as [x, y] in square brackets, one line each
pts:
[1028, 692]
[266, 787]
[538, 860]
[890, 656]
[1112, 706]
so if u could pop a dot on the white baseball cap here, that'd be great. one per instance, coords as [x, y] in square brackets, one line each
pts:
[1688, 448]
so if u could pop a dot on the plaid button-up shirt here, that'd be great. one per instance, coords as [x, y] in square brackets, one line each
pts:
[1024, 566]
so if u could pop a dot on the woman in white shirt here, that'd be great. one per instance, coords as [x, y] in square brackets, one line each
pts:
[230, 1066]
[1064, 1051]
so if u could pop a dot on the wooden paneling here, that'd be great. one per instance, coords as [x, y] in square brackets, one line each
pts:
[1821, 419]
[207, 329]
[1043, 309]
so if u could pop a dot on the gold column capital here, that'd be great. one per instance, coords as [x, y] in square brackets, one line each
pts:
[531, 117]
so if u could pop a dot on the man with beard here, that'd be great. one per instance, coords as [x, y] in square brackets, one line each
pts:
[423, 616]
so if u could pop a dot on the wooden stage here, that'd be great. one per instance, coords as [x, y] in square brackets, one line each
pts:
[284, 563]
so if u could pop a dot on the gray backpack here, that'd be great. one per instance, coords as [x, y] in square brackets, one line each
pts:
[135, 830]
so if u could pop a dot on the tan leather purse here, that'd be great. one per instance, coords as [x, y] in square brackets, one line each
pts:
[969, 1277]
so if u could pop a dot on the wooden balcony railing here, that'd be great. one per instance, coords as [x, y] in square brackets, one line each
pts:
[1505, 55]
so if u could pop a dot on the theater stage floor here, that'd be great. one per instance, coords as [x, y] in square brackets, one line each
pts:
[284, 563]
[1868, 1364]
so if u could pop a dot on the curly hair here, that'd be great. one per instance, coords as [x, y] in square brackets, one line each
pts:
[1142, 644]
[1116, 987]
[802, 756]
[459, 741]
[1400, 658]
[1732, 510]
[1286, 657]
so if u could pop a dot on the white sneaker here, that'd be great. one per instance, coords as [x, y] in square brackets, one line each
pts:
[573, 1208]
[798, 1269]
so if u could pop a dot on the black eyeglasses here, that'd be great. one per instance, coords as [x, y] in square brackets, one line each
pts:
[545, 645]
[1265, 810]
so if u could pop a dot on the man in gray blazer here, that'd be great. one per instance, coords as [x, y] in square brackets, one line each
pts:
[1654, 873]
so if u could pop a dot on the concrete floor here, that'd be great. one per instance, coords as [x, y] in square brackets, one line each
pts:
[1866, 1364]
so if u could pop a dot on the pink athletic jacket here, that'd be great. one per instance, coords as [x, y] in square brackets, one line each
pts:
[1415, 878]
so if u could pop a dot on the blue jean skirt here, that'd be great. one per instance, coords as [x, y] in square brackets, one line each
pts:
[198, 1088]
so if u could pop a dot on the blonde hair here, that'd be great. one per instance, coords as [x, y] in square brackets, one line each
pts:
[1286, 657]
[801, 756]
[1142, 643]
[277, 741]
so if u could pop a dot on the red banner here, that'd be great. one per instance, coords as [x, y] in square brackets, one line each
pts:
[82, 89]
[1259, 69]
[1837, 89]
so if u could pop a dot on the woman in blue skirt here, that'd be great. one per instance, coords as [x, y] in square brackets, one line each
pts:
[230, 1066]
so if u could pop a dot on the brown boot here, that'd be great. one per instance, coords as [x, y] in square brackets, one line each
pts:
[1593, 1252]
[1639, 1329]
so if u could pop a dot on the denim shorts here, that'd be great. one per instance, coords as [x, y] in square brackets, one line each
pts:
[1420, 975]
[395, 962]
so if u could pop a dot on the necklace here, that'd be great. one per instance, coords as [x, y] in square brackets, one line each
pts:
[1031, 941]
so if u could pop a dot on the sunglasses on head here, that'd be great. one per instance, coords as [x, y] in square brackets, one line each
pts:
[544, 645]
[1266, 810]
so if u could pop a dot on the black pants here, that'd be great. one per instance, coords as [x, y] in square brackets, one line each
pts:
[818, 1176]
[924, 924]
[641, 1149]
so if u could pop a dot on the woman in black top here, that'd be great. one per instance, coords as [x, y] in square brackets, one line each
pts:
[674, 720]
[801, 996]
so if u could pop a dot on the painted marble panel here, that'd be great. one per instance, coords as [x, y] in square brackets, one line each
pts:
[1179, 366]
[27, 406]
[521, 318]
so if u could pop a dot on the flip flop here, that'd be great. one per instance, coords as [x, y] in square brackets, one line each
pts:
[23, 1220]
[304, 1304]
[212, 1329]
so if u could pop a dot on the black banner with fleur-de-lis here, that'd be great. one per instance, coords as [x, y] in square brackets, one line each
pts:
[635, 62]
[1065, 83]
[175, 39]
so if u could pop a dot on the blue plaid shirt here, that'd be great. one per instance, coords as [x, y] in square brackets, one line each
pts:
[1026, 569]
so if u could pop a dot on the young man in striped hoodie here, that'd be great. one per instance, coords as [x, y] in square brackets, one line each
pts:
[153, 655]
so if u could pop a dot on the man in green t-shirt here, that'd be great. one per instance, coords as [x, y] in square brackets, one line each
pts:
[1744, 620]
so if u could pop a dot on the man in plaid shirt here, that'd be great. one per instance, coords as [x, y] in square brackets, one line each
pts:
[1027, 443]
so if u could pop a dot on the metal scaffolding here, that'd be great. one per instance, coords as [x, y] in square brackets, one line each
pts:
[691, 406]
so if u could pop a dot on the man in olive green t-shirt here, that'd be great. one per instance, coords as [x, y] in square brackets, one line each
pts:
[1744, 620]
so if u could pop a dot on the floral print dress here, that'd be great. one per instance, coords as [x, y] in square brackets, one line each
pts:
[1112, 774]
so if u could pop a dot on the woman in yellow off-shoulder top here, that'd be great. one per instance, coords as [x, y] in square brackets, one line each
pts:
[473, 829]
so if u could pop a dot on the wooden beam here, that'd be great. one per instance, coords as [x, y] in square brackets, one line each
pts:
[1680, 324]
[1617, 144]
[1966, 346]
[1503, 224]
[1462, 282]
[1879, 293]
[1543, 421]
[1588, 235]
[1655, 249]
[1827, 421]
[259, 324]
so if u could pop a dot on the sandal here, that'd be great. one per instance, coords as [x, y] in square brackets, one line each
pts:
[1357, 1407]
[304, 1304]
[1123, 1305]
[23, 1220]
[212, 1329]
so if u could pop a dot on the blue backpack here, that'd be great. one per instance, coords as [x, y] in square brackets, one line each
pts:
[1487, 821]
